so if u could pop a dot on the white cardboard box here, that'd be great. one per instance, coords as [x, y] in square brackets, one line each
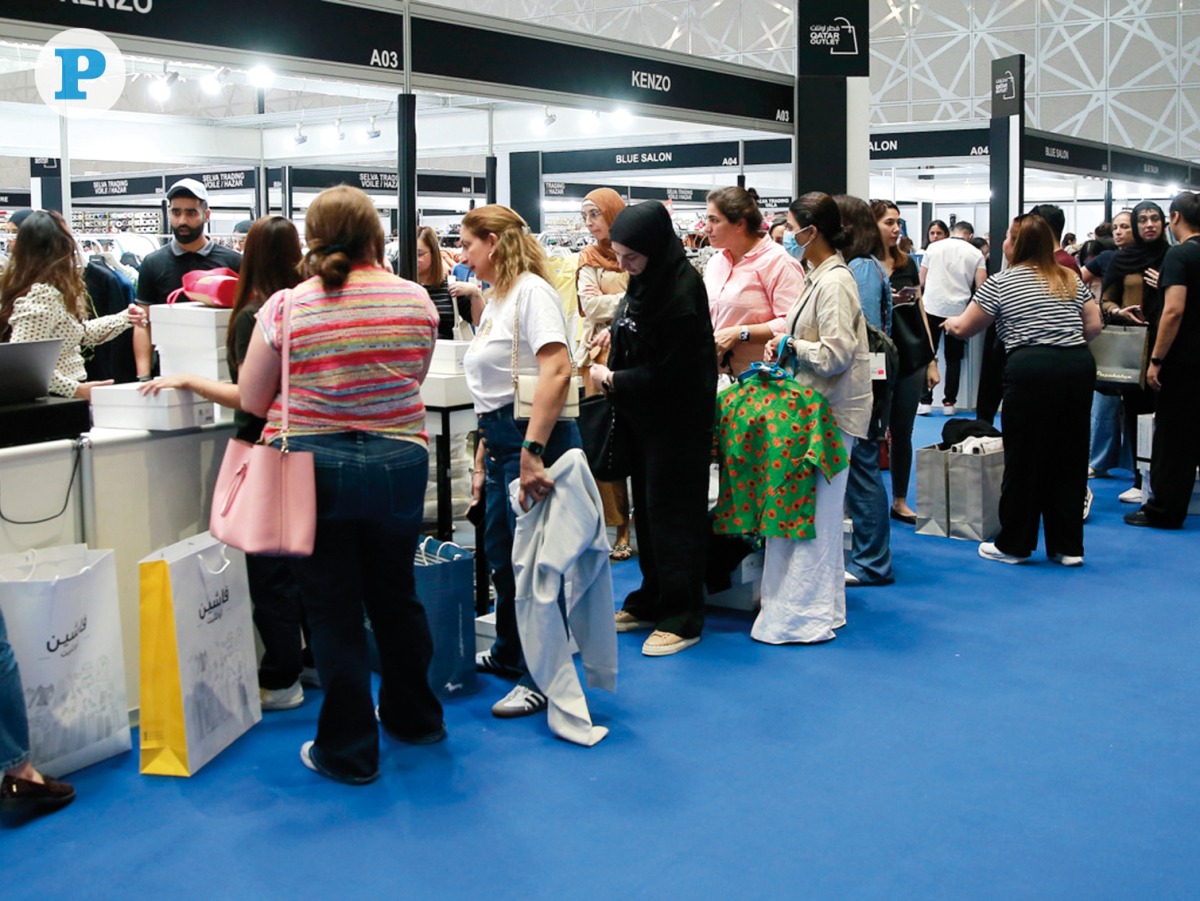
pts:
[124, 407]
[188, 325]
[209, 362]
[445, 390]
[485, 632]
[448, 357]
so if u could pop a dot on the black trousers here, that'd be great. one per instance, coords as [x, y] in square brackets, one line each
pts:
[1047, 430]
[955, 348]
[1176, 451]
[670, 516]
[991, 377]
[279, 616]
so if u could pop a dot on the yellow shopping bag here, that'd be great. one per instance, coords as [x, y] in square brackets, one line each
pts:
[199, 680]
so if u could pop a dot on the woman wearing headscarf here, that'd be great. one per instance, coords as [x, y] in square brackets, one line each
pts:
[601, 283]
[662, 383]
[1129, 296]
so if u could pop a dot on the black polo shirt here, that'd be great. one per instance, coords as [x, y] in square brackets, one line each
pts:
[163, 270]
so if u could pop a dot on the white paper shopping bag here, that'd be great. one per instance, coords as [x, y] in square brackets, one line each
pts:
[199, 668]
[64, 623]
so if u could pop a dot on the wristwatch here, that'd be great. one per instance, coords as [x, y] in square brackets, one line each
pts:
[745, 335]
[1157, 361]
[534, 447]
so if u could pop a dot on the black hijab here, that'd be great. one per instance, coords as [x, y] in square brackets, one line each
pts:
[1139, 256]
[668, 287]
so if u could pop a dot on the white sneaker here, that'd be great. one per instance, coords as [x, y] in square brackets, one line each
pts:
[281, 698]
[851, 579]
[1088, 497]
[949, 409]
[521, 701]
[1130, 496]
[1065, 560]
[924, 409]
[989, 551]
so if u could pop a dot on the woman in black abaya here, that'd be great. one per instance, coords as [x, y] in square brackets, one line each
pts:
[662, 383]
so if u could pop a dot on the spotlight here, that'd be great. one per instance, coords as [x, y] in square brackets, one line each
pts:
[301, 137]
[550, 118]
[212, 83]
[160, 88]
[335, 133]
[622, 117]
[372, 131]
[261, 77]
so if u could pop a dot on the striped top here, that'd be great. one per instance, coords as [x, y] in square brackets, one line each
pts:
[356, 356]
[1028, 315]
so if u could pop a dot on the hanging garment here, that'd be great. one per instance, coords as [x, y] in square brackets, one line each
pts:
[560, 549]
[773, 436]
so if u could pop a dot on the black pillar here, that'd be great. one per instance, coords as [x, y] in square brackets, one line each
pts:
[285, 192]
[489, 180]
[820, 152]
[406, 184]
[525, 186]
[1007, 157]
[1108, 200]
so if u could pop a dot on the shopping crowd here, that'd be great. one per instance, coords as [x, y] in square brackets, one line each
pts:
[765, 363]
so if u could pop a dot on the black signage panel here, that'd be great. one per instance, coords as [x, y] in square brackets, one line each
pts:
[1194, 179]
[917, 145]
[15, 199]
[723, 154]
[1051, 150]
[772, 152]
[304, 29]
[45, 167]
[1008, 86]
[104, 188]
[234, 180]
[831, 39]
[373, 182]
[575, 191]
[1142, 167]
[774, 203]
[479, 185]
[430, 183]
[493, 56]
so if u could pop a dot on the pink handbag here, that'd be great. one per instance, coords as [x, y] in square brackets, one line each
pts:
[265, 499]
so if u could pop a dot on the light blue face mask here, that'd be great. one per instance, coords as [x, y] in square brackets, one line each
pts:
[792, 246]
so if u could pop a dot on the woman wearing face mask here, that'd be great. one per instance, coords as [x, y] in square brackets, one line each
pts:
[1130, 296]
[751, 281]
[905, 281]
[601, 283]
[803, 585]
[662, 383]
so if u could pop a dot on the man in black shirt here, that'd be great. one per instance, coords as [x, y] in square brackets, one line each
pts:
[1174, 373]
[188, 250]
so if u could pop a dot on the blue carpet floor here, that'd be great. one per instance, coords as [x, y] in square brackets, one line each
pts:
[977, 731]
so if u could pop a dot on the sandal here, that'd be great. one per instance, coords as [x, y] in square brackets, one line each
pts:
[621, 552]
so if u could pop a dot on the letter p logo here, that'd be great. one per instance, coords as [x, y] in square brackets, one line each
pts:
[78, 64]
[79, 70]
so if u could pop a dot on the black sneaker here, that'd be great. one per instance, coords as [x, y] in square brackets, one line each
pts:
[486, 663]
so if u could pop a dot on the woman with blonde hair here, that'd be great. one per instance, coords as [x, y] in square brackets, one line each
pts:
[361, 342]
[1044, 315]
[499, 248]
[601, 286]
[42, 296]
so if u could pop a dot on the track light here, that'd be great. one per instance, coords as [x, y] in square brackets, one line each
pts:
[261, 77]
[621, 117]
[372, 131]
[301, 137]
[212, 83]
[550, 118]
[335, 133]
[160, 88]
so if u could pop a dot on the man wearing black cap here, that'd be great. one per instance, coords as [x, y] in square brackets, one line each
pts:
[188, 250]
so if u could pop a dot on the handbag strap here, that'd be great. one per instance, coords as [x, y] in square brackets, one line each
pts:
[285, 363]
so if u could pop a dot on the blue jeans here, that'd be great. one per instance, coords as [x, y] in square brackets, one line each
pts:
[870, 556]
[1106, 433]
[14, 723]
[503, 436]
[370, 505]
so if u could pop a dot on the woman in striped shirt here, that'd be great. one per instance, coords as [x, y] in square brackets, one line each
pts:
[1045, 316]
[361, 341]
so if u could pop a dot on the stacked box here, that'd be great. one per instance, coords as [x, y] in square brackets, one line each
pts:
[125, 407]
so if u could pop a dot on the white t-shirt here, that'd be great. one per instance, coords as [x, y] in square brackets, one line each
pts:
[951, 264]
[488, 361]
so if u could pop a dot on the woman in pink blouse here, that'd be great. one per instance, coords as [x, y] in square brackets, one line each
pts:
[752, 282]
